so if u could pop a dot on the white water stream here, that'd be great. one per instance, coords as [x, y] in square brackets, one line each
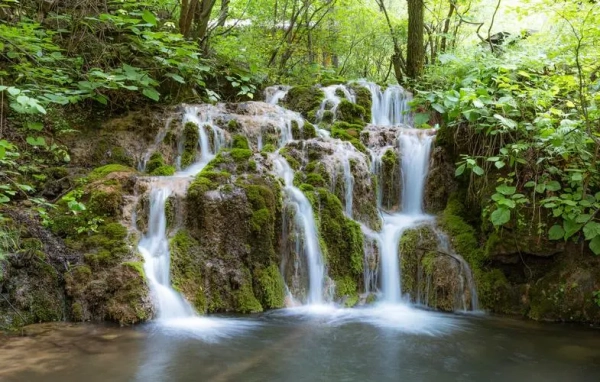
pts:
[154, 245]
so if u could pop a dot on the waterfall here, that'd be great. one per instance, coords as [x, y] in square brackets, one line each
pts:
[414, 148]
[389, 107]
[274, 94]
[154, 245]
[331, 101]
[305, 222]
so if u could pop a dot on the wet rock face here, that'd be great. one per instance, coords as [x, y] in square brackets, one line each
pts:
[225, 256]
[440, 183]
[431, 274]
[336, 165]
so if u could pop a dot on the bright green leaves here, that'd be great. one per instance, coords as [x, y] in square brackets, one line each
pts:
[149, 17]
[151, 93]
[500, 216]
[556, 232]
[37, 141]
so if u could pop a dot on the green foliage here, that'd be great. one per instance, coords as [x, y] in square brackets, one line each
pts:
[528, 128]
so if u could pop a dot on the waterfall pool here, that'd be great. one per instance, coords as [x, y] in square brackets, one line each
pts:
[401, 344]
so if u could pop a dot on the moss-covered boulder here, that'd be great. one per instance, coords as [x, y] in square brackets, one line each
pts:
[225, 257]
[440, 182]
[352, 113]
[304, 99]
[432, 274]
[31, 272]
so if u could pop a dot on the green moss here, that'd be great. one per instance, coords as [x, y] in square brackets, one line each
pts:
[315, 180]
[351, 113]
[240, 142]
[259, 219]
[346, 288]
[304, 99]
[105, 202]
[233, 125]
[342, 239]
[240, 155]
[269, 148]
[252, 165]
[363, 99]
[137, 266]
[101, 172]
[271, 287]
[348, 132]
[76, 311]
[244, 299]
[187, 278]
[191, 137]
[163, 171]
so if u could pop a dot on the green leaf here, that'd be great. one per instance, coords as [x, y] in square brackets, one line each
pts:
[505, 189]
[439, 108]
[499, 164]
[553, 186]
[39, 141]
[149, 17]
[460, 169]
[500, 217]
[595, 245]
[591, 230]
[571, 228]
[556, 232]
[583, 218]
[37, 126]
[478, 170]
[151, 93]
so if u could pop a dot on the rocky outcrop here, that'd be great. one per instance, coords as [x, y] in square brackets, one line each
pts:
[432, 274]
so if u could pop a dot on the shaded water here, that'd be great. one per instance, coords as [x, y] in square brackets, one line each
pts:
[282, 346]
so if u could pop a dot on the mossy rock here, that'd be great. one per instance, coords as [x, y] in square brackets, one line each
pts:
[190, 137]
[304, 99]
[271, 287]
[363, 99]
[351, 113]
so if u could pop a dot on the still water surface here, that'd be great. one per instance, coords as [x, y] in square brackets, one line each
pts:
[385, 344]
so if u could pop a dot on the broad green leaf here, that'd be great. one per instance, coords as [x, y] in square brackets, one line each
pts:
[439, 108]
[151, 93]
[556, 232]
[571, 228]
[591, 230]
[553, 186]
[478, 170]
[37, 126]
[460, 169]
[39, 141]
[149, 17]
[505, 189]
[595, 245]
[500, 217]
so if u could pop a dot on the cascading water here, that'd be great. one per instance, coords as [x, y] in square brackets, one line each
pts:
[305, 222]
[274, 94]
[332, 100]
[154, 245]
[389, 107]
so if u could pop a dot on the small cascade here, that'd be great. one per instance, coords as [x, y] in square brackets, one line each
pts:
[343, 157]
[415, 146]
[306, 229]
[154, 245]
[466, 293]
[389, 107]
[274, 94]
[332, 100]
[209, 145]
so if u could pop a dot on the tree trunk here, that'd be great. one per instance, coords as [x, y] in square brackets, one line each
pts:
[415, 52]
